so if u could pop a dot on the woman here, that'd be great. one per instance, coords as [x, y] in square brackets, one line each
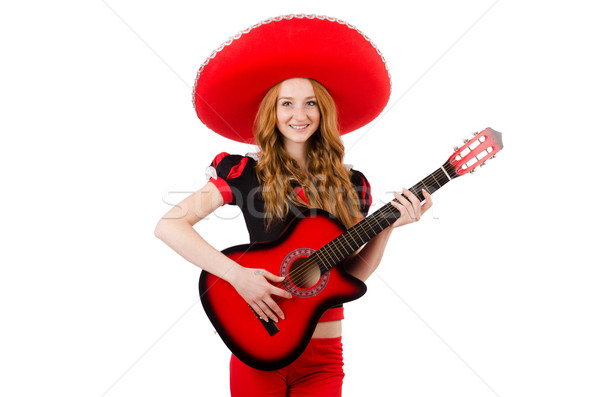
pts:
[299, 166]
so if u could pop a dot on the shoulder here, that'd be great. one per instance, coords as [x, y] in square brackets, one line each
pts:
[358, 179]
[234, 175]
[362, 188]
[231, 166]
[225, 158]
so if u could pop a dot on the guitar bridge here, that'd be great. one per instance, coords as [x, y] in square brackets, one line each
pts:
[270, 326]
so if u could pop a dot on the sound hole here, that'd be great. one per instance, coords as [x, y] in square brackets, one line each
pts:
[303, 277]
[304, 273]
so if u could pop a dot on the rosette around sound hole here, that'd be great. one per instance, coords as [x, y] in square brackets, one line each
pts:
[302, 274]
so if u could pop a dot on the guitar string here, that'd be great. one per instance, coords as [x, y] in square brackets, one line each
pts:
[369, 221]
[277, 299]
[361, 231]
[301, 273]
[337, 243]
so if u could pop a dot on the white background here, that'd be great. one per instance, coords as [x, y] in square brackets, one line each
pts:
[494, 292]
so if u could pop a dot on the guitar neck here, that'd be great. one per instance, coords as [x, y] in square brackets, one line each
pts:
[355, 237]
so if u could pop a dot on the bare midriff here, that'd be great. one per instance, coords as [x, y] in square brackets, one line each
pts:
[329, 329]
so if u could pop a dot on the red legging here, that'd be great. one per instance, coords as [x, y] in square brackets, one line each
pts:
[317, 372]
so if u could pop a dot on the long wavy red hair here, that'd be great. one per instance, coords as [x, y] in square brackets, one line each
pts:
[328, 187]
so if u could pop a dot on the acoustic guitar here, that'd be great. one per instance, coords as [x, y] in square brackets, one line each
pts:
[307, 254]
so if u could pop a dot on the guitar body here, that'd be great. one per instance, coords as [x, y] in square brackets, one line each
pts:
[269, 346]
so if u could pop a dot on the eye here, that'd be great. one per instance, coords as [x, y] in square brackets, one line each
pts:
[285, 103]
[311, 103]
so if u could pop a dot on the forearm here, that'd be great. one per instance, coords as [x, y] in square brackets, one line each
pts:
[364, 262]
[183, 239]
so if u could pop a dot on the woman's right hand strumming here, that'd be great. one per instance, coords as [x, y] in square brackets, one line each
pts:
[257, 289]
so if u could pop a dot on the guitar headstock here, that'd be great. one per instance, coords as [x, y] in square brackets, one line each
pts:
[476, 151]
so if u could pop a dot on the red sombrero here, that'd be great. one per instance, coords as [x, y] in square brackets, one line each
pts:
[234, 79]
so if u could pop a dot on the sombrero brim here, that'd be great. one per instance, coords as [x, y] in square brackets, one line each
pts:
[234, 79]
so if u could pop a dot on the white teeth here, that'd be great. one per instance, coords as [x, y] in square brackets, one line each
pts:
[299, 127]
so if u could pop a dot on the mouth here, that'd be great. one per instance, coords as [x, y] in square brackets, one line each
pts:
[299, 127]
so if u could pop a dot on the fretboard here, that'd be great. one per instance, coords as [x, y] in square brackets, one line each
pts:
[355, 237]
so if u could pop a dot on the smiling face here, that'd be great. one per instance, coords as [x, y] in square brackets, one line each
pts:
[298, 115]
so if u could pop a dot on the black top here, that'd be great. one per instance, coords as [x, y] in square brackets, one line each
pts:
[235, 177]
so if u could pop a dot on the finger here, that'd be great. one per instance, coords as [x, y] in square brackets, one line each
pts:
[259, 312]
[280, 292]
[407, 205]
[410, 195]
[428, 201]
[275, 308]
[271, 277]
[399, 207]
[267, 310]
[414, 202]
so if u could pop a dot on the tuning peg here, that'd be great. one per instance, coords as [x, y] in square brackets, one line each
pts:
[472, 171]
[456, 148]
[475, 133]
[493, 157]
[465, 140]
[482, 164]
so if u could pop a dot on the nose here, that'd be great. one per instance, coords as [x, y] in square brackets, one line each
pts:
[300, 113]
